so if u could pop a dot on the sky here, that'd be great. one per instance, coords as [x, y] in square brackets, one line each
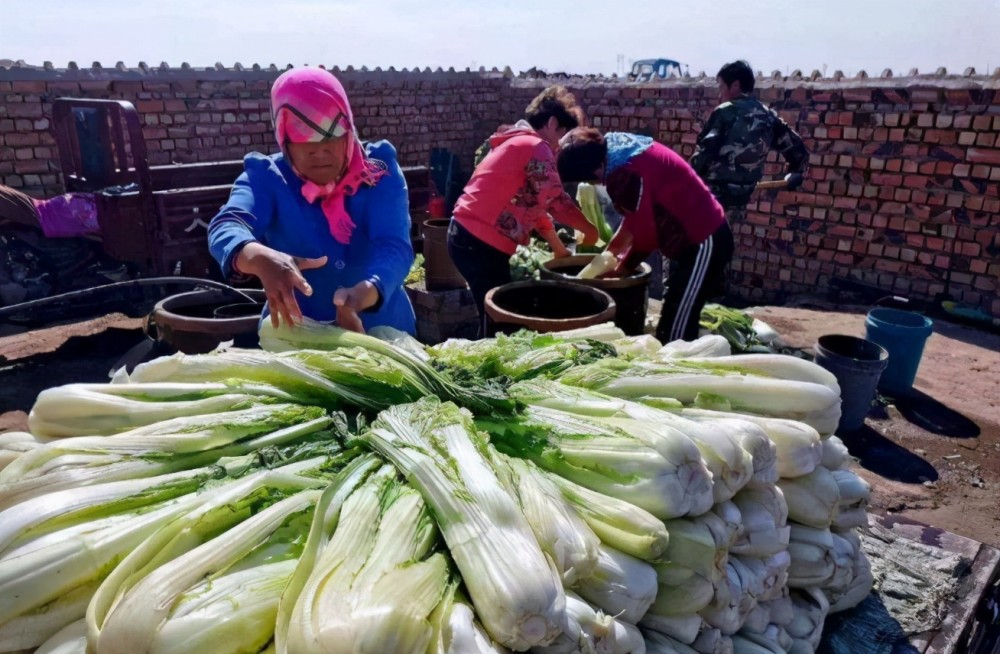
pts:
[581, 36]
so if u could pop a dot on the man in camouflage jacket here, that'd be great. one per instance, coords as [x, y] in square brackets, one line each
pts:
[735, 141]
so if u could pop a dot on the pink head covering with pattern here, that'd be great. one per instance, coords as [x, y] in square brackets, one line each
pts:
[310, 105]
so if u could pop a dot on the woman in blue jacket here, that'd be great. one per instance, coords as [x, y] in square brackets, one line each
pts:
[325, 224]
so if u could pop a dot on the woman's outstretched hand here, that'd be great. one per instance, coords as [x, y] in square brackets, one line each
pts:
[352, 301]
[280, 275]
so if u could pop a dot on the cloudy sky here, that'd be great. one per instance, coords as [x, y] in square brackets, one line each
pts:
[559, 35]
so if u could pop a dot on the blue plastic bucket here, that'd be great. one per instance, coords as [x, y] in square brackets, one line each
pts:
[903, 334]
[857, 364]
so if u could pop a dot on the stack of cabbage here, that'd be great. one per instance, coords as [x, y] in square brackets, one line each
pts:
[582, 493]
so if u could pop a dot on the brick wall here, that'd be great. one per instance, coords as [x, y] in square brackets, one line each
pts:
[902, 192]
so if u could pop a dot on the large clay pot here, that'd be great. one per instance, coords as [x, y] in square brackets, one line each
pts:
[630, 293]
[546, 306]
[197, 322]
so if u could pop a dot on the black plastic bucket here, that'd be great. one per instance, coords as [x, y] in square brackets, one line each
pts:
[857, 364]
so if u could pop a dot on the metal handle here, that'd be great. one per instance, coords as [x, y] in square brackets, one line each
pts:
[772, 184]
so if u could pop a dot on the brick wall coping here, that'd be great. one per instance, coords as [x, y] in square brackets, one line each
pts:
[19, 70]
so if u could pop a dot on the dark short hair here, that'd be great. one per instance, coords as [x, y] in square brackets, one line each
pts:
[554, 102]
[583, 150]
[738, 71]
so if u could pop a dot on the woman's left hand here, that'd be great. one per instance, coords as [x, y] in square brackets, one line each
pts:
[351, 301]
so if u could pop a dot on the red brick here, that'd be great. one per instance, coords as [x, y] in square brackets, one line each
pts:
[981, 171]
[967, 138]
[981, 123]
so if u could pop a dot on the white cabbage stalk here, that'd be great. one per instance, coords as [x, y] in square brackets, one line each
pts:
[666, 631]
[653, 467]
[589, 630]
[814, 557]
[637, 347]
[810, 607]
[696, 383]
[375, 585]
[618, 524]
[757, 619]
[733, 519]
[813, 500]
[798, 447]
[855, 493]
[772, 572]
[182, 435]
[221, 596]
[242, 366]
[835, 454]
[15, 443]
[55, 565]
[516, 592]
[744, 645]
[95, 527]
[689, 446]
[698, 544]
[71, 639]
[324, 522]
[765, 517]
[104, 409]
[456, 630]
[397, 338]
[780, 608]
[800, 646]
[64, 466]
[621, 585]
[846, 546]
[228, 612]
[752, 580]
[728, 617]
[203, 517]
[775, 366]
[763, 452]
[729, 462]
[600, 264]
[773, 640]
[857, 590]
[710, 345]
[46, 513]
[606, 332]
[683, 597]
[37, 627]
[561, 532]
[712, 641]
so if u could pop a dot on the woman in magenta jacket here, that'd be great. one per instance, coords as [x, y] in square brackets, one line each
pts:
[667, 208]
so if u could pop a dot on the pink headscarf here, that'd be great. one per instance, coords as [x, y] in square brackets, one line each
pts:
[310, 105]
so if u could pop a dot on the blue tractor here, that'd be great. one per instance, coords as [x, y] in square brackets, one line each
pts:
[645, 70]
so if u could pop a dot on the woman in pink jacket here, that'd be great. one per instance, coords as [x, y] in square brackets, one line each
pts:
[513, 192]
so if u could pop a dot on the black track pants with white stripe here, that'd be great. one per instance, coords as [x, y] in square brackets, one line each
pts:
[696, 275]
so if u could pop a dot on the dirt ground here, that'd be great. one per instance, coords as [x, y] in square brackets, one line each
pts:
[932, 457]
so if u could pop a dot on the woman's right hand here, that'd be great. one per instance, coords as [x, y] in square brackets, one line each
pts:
[280, 275]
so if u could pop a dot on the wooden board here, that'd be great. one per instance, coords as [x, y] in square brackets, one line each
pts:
[983, 566]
